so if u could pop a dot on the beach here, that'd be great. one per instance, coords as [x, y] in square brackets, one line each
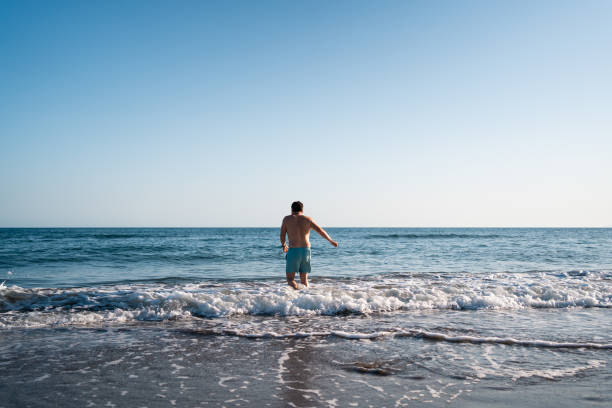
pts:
[442, 169]
[422, 317]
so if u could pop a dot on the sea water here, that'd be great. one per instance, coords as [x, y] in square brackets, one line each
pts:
[393, 317]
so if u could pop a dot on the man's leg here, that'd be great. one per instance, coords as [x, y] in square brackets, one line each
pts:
[304, 278]
[305, 267]
[291, 279]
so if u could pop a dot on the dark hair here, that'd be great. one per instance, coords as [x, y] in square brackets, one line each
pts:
[297, 206]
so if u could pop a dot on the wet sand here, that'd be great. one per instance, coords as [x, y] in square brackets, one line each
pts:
[160, 366]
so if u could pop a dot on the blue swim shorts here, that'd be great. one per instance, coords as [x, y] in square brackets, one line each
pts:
[298, 260]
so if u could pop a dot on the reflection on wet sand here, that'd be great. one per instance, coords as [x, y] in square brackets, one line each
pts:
[296, 374]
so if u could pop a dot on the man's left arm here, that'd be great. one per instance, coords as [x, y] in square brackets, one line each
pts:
[322, 232]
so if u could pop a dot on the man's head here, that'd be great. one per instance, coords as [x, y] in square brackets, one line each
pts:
[297, 207]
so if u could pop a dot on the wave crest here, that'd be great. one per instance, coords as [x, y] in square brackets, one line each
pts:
[430, 236]
[168, 301]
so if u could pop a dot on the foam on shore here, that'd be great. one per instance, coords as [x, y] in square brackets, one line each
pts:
[426, 335]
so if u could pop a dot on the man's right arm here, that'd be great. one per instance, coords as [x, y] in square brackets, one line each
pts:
[322, 232]
[283, 233]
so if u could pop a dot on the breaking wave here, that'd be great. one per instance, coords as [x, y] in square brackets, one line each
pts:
[23, 307]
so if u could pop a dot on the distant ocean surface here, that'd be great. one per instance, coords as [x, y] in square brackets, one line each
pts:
[393, 317]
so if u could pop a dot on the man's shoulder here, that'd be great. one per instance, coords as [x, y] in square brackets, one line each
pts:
[299, 218]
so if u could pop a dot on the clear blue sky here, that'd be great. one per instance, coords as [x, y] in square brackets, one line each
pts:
[390, 113]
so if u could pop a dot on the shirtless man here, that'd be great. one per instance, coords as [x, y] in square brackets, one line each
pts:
[298, 227]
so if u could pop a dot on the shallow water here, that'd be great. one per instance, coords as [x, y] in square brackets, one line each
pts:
[394, 317]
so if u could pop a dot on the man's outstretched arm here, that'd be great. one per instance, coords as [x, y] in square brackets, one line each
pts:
[322, 233]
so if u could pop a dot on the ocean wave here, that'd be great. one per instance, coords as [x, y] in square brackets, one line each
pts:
[117, 236]
[132, 254]
[187, 300]
[430, 236]
[426, 335]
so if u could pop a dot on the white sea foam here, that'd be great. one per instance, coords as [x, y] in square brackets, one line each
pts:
[41, 378]
[21, 307]
[427, 335]
[552, 374]
[501, 340]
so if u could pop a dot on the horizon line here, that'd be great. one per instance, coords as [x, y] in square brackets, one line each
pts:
[251, 227]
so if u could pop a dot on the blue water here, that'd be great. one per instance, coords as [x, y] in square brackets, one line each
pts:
[92, 256]
[393, 317]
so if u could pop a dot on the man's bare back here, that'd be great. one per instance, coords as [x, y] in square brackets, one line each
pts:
[297, 227]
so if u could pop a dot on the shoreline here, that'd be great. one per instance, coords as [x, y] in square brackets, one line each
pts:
[157, 367]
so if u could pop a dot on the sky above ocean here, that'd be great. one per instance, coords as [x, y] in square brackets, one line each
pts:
[221, 113]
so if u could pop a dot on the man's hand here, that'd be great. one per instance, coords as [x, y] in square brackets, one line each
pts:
[334, 243]
[286, 248]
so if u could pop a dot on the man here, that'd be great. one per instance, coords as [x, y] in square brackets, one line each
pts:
[298, 227]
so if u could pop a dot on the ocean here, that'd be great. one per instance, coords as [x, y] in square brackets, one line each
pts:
[152, 317]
